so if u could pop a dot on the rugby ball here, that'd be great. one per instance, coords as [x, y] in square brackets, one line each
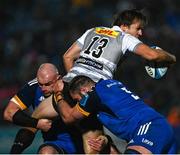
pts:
[154, 69]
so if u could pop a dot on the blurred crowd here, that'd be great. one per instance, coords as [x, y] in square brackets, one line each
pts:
[37, 31]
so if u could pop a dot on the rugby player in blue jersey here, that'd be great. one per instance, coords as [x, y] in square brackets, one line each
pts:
[57, 136]
[121, 111]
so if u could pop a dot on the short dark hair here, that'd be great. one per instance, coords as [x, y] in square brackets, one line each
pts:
[127, 17]
[79, 81]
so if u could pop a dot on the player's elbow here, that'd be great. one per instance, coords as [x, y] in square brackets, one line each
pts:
[9, 112]
[65, 57]
[8, 115]
[69, 119]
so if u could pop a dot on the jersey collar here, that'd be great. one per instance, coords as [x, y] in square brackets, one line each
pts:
[117, 28]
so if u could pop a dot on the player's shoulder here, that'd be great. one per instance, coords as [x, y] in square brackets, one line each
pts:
[28, 89]
[32, 84]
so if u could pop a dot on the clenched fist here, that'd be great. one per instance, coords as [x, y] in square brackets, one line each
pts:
[44, 124]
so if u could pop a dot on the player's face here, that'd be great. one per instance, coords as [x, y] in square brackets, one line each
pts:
[135, 29]
[47, 84]
[76, 96]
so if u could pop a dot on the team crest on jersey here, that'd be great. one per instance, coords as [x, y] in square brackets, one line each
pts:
[41, 98]
[107, 32]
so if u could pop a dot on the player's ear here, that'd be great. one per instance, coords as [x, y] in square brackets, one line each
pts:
[83, 90]
[124, 27]
[59, 77]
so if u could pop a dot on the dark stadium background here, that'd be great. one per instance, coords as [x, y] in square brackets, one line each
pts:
[37, 31]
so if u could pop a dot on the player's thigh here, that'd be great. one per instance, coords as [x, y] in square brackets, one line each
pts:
[45, 109]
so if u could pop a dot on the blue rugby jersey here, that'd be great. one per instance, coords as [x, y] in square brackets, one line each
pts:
[127, 116]
[113, 103]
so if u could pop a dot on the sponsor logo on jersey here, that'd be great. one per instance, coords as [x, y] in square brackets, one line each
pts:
[107, 32]
[41, 98]
[144, 129]
[32, 82]
[112, 84]
[148, 142]
[90, 62]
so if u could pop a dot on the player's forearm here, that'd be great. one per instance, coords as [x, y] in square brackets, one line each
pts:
[157, 55]
[66, 112]
[167, 57]
[22, 119]
[64, 108]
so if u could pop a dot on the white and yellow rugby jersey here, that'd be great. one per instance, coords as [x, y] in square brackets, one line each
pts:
[102, 48]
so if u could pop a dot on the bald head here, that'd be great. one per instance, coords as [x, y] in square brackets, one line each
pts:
[47, 70]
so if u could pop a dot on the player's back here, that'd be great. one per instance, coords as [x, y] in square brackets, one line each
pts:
[127, 108]
[100, 54]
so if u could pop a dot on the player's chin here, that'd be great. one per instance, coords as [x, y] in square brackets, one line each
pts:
[47, 94]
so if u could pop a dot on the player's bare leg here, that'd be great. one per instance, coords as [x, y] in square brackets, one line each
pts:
[45, 109]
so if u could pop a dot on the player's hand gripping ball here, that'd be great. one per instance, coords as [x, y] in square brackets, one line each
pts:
[154, 70]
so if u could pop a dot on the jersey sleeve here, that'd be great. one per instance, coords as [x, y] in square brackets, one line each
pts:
[88, 103]
[25, 96]
[80, 41]
[129, 42]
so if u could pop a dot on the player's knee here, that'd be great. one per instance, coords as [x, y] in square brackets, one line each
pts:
[47, 150]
